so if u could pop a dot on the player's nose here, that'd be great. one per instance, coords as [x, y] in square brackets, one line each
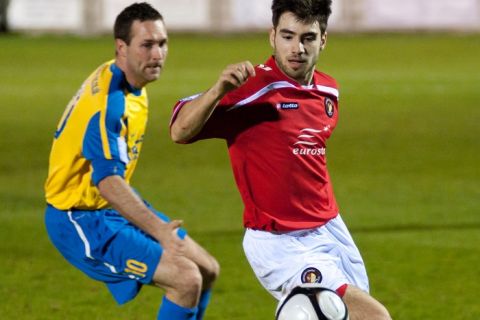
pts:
[298, 47]
[158, 53]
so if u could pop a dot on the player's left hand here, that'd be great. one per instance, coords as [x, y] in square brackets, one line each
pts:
[234, 76]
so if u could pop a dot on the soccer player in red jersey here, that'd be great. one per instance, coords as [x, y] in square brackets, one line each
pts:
[276, 118]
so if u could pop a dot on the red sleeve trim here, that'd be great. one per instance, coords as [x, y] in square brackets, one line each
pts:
[342, 289]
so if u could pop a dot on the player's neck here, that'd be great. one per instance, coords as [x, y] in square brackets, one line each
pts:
[128, 75]
[306, 80]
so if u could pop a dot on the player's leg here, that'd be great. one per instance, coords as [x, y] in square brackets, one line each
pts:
[197, 263]
[332, 261]
[207, 265]
[188, 281]
[177, 274]
[360, 303]
[209, 268]
[107, 248]
[182, 281]
[362, 306]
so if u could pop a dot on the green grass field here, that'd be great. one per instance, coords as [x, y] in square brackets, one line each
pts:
[405, 162]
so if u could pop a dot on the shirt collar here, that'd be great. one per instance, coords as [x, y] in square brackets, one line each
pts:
[117, 71]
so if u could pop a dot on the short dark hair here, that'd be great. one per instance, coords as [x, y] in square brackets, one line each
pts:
[304, 10]
[137, 11]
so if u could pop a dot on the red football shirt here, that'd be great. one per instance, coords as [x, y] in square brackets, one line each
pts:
[276, 131]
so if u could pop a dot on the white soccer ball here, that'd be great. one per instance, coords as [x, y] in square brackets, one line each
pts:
[312, 302]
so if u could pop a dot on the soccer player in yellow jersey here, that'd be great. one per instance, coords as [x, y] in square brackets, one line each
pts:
[93, 216]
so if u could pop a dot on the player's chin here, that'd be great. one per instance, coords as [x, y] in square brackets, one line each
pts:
[153, 70]
[297, 73]
[152, 76]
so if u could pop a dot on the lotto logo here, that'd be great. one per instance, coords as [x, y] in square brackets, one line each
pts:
[287, 105]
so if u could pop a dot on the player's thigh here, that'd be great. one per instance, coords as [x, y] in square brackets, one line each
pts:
[207, 264]
[174, 270]
[177, 272]
[361, 305]
[196, 258]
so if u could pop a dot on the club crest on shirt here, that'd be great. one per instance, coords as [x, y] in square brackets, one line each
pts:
[311, 275]
[287, 105]
[329, 107]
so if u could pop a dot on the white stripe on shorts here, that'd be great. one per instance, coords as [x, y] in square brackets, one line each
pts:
[81, 234]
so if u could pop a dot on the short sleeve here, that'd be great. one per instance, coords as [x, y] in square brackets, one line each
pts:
[103, 144]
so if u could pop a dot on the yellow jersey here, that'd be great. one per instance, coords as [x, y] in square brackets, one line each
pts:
[100, 134]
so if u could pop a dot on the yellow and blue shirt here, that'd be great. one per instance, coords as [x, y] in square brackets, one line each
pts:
[100, 134]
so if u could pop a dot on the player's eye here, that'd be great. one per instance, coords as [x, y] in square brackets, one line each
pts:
[163, 43]
[309, 38]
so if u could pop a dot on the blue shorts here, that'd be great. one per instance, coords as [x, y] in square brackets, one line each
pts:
[106, 247]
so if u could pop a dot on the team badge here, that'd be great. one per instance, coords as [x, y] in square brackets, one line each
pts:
[311, 275]
[329, 107]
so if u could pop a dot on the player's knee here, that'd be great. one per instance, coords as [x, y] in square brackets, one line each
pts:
[180, 275]
[382, 313]
[188, 278]
[378, 311]
[363, 306]
[212, 272]
[372, 313]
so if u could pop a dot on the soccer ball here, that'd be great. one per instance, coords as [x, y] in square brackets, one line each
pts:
[311, 302]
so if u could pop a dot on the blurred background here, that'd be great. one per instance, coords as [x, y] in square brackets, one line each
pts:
[404, 158]
[97, 16]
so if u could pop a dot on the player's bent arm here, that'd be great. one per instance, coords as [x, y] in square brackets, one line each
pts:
[195, 113]
[121, 197]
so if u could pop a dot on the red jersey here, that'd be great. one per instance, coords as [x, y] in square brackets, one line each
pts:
[276, 131]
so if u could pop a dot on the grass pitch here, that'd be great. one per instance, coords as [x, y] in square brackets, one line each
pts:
[404, 160]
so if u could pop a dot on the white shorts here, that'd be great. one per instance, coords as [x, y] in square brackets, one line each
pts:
[326, 255]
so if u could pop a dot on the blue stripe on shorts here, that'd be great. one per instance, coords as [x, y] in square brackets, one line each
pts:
[106, 247]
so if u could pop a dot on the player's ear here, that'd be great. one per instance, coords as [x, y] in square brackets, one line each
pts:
[120, 47]
[272, 37]
[323, 40]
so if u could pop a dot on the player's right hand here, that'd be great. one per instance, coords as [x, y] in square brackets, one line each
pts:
[234, 76]
[169, 239]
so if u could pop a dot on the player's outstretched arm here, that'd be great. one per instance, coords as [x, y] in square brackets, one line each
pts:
[121, 197]
[195, 113]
